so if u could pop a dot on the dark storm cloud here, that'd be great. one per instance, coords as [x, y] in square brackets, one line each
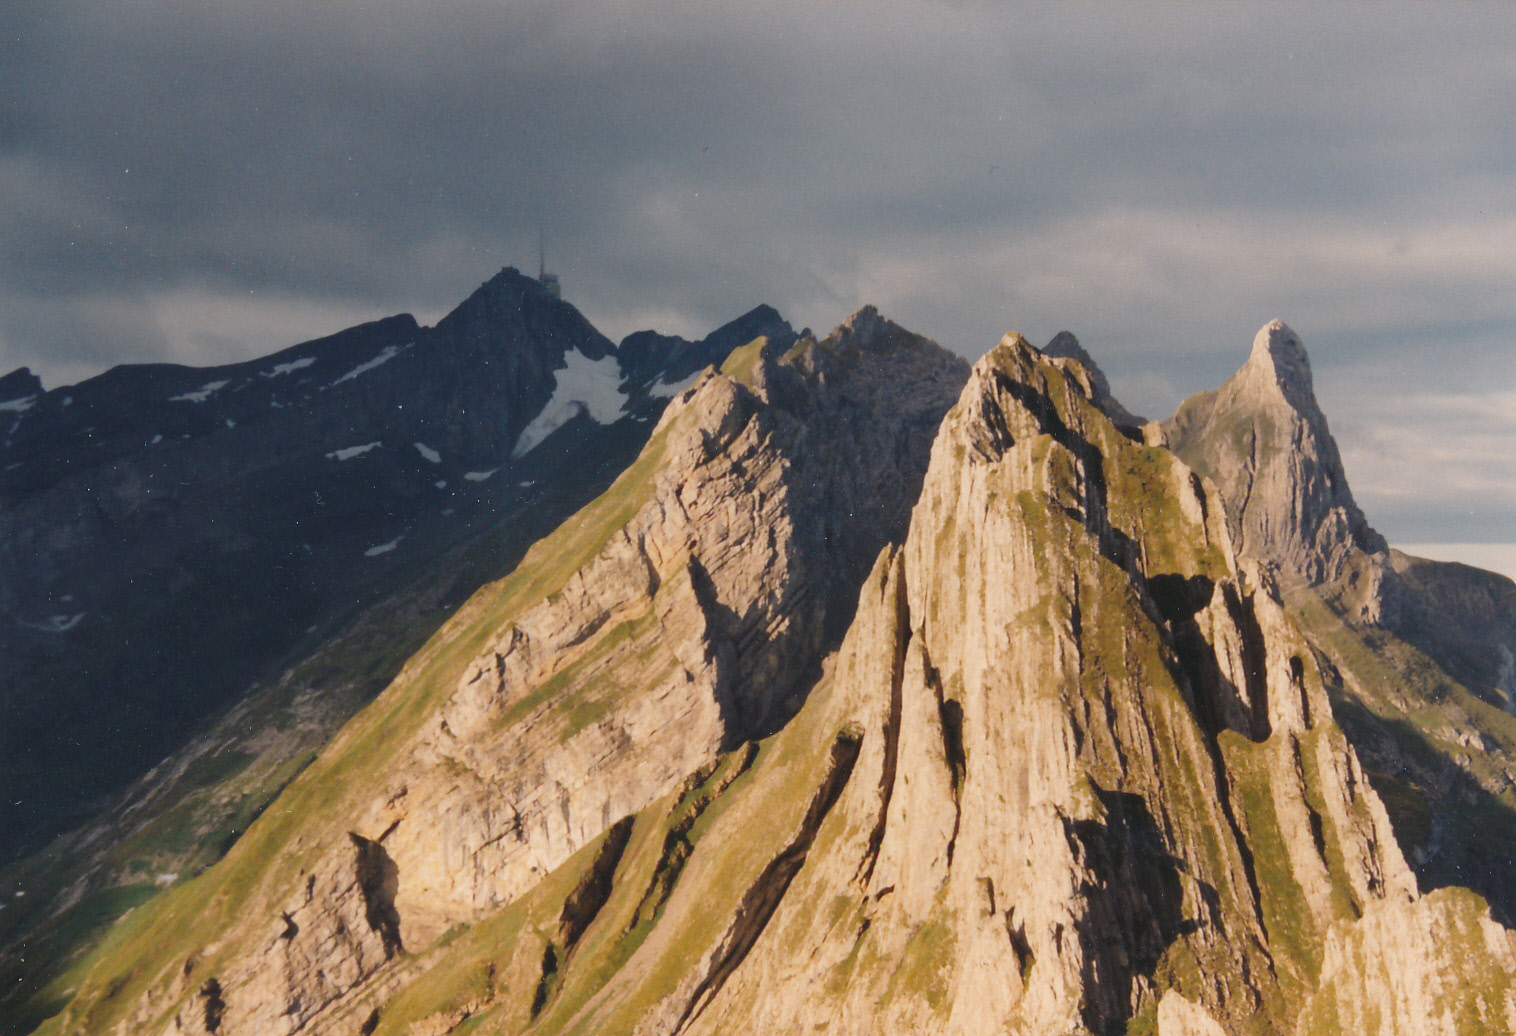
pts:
[198, 181]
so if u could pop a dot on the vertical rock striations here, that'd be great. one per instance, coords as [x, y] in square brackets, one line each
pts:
[713, 577]
[1420, 651]
[1097, 781]
[1072, 767]
[1264, 441]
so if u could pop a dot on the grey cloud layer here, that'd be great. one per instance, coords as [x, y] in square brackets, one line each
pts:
[196, 181]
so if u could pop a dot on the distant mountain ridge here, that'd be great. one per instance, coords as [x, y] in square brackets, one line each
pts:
[878, 694]
[168, 533]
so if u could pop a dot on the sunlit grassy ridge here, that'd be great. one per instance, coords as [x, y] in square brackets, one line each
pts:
[294, 831]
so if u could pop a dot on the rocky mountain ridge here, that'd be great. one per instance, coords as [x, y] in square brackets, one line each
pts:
[1420, 649]
[877, 695]
[237, 559]
[170, 535]
[1072, 764]
[682, 634]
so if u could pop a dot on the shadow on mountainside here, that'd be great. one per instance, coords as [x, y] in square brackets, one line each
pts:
[41, 938]
[1137, 894]
[1453, 831]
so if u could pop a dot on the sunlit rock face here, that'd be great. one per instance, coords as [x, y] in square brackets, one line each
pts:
[1264, 441]
[1098, 766]
[1021, 742]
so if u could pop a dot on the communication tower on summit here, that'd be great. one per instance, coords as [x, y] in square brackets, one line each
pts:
[547, 280]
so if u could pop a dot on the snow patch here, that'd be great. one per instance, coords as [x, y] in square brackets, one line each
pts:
[349, 452]
[166, 879]
[479, 476]
[55, 623]
[427, 452]
[383, 548]
[18, 406]
[388, 353]
[288, 368]
[661, 390]
[582, 386]
[201, 394]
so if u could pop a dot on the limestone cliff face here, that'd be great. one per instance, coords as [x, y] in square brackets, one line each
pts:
[1097, 762]
[1420, 652]
[1072, 770]
[1264, 441]
[720, 568]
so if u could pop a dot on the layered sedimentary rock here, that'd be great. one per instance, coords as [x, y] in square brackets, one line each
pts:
[1089, 778]
[1073, 767]
[1097, 761]
[1420, 652]
[1264, 441]
[695, 625]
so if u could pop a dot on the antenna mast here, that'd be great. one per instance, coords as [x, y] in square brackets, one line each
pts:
[547, 280]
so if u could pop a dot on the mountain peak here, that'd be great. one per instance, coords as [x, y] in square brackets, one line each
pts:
[20, 382]
[1279, 359]
[1064, 345]
[864, 328]
[1264, 440]
[510, 308]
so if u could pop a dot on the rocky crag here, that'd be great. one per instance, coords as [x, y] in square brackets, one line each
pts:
[1072, 767]
[1264, 441]
[1420, 651]
[706, 587]
[205, 572]
[170, 536]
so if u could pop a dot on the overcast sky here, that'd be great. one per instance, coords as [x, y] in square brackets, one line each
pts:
[204, 181]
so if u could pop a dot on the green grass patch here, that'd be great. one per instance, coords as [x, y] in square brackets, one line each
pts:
[741, 364]
[201, 911]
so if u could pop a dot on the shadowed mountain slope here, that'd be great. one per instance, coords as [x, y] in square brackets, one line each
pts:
[683, 612]
[204, 573]
[1073, 766]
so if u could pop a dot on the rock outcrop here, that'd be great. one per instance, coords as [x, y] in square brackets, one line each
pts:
[725, 563]
[1264, 441]
[1064, 345]
[1072, 768]
[1420, 652]
[205, 572]
[1097, 760]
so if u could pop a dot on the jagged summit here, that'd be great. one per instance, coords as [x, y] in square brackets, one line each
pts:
[20, 383]
[1279, 359]
[865, 327]
[643, 354]
[868, 331]
[1064, 345]
[851, 708]
[1264, 440]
